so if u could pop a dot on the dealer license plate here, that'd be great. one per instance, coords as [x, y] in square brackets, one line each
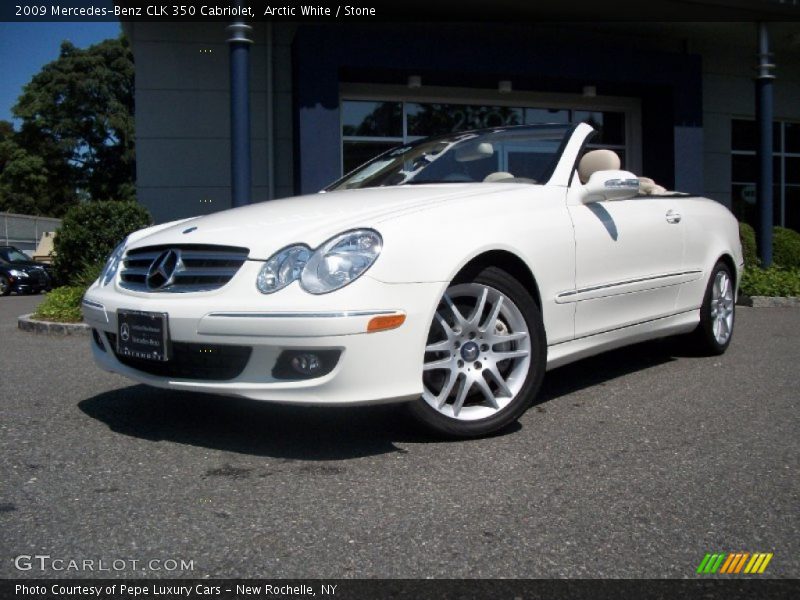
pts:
[143, 335]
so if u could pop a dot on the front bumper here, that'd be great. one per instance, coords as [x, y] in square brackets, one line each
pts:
[30, 285]
[20, 287]
[372, 367]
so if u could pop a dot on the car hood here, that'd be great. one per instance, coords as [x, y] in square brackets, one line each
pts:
[267, 226]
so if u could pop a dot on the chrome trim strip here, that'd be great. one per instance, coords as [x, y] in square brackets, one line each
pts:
[605, 286]
[306, 315]
[191, 273]
[93, 304]
[132, 255]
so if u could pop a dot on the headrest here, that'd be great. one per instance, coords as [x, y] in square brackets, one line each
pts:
[474, 152]
[597, 160]
[498, 176]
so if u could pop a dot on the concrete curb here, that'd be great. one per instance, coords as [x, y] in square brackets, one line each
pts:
[27, 323]
[770, 301]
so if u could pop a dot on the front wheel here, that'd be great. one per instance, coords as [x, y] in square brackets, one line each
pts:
[5, 286]
[713, 334]
[485, 356]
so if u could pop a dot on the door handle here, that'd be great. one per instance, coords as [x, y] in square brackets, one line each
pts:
[673, 217]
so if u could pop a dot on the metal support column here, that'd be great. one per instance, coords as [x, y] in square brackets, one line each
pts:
[764, 152]
[240, 112]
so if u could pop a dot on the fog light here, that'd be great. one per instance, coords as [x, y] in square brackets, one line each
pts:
[305, 364]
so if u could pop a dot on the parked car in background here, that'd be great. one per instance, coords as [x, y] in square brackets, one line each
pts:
[20, 274]
[450, 273]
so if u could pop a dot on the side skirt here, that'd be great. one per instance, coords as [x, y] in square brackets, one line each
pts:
[567, 352]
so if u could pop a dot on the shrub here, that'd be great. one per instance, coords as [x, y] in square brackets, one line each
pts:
[89, 274]
[62, 304]
[89, 233]
[748, 236]
[774, 281]
[786, 248]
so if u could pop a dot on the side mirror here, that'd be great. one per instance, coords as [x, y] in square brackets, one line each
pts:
[610, 185]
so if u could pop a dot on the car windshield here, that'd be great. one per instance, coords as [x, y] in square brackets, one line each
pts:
[527, 154]
[12, 255]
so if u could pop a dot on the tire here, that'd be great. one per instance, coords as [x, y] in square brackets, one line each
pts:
[5, 286]
[717, 314]
[475, 382]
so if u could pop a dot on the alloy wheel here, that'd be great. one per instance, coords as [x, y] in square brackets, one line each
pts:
[478, 353]
[722, 307]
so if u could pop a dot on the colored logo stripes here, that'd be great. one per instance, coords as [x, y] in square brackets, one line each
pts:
[734, 563]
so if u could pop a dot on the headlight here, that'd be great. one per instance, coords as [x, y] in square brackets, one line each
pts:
[18, 274]
[282, 269]
[341, 260]
[112, 264]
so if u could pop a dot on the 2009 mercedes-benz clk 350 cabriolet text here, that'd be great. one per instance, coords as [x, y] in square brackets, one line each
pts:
[450, 273]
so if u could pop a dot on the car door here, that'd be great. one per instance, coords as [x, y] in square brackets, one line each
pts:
[629, 261]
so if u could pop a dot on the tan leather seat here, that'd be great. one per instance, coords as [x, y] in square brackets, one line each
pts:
[648, 187]
[597, 160]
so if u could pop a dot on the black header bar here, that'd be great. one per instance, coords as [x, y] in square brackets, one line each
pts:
[401, 10]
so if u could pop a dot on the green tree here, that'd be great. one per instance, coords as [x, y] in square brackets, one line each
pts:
[29, 184]
[77, 131]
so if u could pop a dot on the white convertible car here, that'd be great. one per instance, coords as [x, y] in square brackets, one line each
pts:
[449, 273]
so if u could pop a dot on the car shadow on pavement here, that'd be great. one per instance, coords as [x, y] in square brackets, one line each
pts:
[251, 427]
[600, 369]
[319, 433]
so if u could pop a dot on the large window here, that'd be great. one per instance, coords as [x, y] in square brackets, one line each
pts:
[370, 127]
[785, 172]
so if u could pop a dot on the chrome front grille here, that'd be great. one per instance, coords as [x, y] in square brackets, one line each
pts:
[180, 268]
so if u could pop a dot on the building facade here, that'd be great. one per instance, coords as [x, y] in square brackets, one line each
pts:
[675, 100]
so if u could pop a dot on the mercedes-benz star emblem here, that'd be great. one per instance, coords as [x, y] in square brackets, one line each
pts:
[162, 272]
[124, 332]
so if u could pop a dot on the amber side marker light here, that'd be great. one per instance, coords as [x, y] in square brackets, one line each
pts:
[385, 322]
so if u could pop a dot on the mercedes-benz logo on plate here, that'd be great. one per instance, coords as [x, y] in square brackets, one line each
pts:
[162, 272]
[125, 332]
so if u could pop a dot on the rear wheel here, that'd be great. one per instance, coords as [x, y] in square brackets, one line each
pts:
[717, 314]
[485, 356]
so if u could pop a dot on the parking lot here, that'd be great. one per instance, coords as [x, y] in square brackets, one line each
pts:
[633, 464]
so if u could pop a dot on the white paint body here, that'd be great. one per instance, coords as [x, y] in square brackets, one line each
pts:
[606, 273]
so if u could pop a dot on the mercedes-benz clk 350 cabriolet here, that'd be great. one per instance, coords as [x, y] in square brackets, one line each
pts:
[448, 273]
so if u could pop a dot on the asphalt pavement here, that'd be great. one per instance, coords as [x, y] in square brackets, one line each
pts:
[633, 464]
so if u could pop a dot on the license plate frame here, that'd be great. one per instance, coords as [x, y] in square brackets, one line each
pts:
[143, 335]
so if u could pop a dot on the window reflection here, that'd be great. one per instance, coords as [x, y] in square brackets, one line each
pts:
[535, 116]
[372, 119]
[438, 119]
[370, 127]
